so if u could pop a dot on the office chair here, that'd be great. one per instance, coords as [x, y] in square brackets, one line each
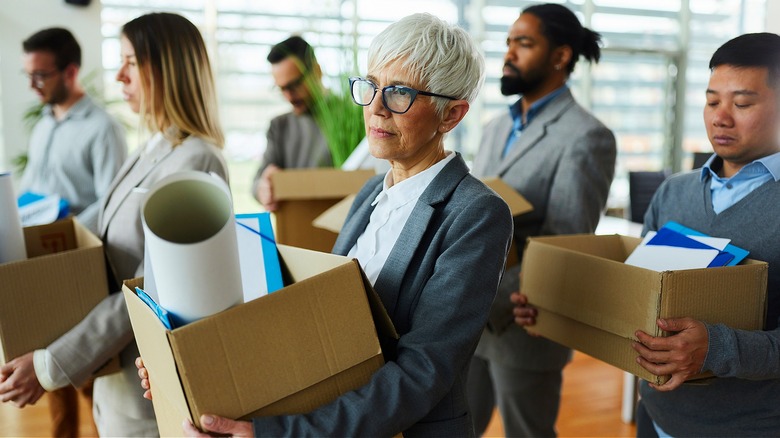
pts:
[641, 188]
[699, 158]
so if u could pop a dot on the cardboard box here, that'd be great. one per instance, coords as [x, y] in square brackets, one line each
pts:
[44, 296]
[284, 353]
[589, 300]
[303, 194]
[517, 205]
[334, 217]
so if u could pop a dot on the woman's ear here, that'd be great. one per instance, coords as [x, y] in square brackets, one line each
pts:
[453, 114]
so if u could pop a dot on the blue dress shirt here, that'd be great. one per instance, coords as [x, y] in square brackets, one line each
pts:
[728, 191]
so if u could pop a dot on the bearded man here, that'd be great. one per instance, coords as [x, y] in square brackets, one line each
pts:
[562, 159]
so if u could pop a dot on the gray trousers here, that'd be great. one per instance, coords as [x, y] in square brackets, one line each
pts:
[527, 400]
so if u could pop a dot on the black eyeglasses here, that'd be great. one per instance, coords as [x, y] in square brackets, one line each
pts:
[396, 98]
[293, 84]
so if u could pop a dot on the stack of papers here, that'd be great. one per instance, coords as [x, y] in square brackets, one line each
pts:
[676, 247]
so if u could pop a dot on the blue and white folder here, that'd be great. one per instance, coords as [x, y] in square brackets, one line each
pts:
[38, 209]
[261, 272]
[675, 247]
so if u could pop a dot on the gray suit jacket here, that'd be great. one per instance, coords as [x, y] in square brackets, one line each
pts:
[563, 163]
[293, 142]
[437, 285]
[106, 331]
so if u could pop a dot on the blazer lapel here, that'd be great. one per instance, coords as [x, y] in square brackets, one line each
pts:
[389, 280]
[133, 176]
[356, 224]
[537, 130]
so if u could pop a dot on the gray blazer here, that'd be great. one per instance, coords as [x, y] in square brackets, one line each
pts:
[106, 331]
[563, 163]
[437, 285]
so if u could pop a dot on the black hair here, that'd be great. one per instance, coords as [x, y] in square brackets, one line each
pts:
[752, 50]
[562, 28]
[297, 47]
[59, 42]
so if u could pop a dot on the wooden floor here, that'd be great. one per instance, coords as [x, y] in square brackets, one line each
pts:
[590, 407]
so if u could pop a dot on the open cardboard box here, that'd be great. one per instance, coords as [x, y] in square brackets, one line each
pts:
[303, 194]
[589, 300]
[333, 218]
[284, 353]
[46, 295]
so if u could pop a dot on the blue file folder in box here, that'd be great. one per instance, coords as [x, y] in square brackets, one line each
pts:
[38, 209]
[261, 272]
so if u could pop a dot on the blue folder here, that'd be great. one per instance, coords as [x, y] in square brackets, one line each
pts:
[738, 253]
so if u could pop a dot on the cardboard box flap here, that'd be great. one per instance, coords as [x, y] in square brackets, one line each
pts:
[169, 399]
[516, 202]
[561, 287]
[333, 218]
[330, 327]
[292, 184]
[50, 238]
[300, 264]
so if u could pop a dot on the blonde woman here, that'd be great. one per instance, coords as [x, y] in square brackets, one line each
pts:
[167, 79]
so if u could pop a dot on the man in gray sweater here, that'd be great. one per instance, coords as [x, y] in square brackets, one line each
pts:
[734, 195]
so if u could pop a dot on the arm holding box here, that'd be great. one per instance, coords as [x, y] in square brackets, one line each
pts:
[728, 352]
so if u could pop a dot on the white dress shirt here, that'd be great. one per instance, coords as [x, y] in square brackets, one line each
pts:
[393, 206]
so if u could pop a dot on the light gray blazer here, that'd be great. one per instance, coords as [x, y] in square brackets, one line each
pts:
[563, 163]
[437, 286]
[106, 331]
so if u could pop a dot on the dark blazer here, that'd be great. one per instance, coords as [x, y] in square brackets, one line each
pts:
[563, 163]
[437, 285]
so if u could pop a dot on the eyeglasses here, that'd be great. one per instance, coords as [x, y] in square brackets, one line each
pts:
[39, 77]
[293, 84]
[396, 98]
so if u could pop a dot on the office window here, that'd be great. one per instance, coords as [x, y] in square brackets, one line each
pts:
[653, 53]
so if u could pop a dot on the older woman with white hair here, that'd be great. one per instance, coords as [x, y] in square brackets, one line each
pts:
[431, 238]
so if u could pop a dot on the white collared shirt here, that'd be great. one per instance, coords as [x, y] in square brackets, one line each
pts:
[393, 206]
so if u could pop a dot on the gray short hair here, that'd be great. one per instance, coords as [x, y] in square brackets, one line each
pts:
[440, 56]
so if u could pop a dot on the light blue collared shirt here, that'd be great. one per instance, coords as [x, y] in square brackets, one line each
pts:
[516, 111]
[728, 191]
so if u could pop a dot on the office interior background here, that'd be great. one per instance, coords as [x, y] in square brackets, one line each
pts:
[648, 88]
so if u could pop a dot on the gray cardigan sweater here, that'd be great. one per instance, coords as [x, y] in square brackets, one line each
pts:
[745, 399]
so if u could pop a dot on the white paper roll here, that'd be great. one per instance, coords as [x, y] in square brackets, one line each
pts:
[11, 236]
[190, 237]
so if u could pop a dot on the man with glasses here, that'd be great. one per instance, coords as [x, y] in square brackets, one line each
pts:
[75, 150]
[294, 139]
[562, 159]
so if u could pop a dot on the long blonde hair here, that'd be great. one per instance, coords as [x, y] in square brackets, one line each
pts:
[179, 97]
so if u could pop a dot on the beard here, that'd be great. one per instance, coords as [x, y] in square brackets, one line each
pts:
[58, 94]
[517, 84]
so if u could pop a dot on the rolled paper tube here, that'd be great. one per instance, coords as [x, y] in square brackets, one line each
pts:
[190, 234]
[11, 236]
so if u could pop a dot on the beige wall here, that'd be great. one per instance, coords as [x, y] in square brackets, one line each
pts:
[17, 23]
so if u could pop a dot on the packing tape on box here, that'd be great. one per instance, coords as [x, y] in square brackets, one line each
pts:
[11, 236]
[190, 234]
